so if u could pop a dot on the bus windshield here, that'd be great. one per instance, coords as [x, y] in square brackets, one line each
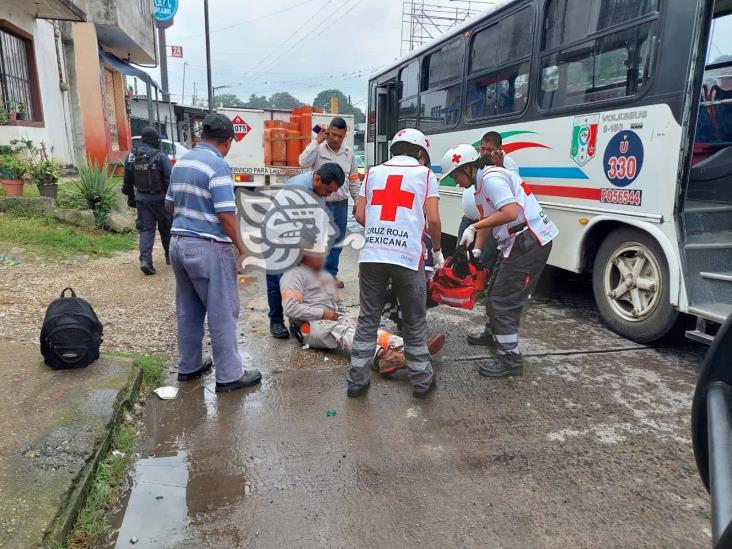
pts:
[720, 43]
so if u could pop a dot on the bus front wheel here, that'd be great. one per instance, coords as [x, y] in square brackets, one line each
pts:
[630, 281]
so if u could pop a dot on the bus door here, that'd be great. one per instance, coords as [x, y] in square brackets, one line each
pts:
[386, 104]
[707, 210]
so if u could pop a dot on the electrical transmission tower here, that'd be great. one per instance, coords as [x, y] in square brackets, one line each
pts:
[424, 21]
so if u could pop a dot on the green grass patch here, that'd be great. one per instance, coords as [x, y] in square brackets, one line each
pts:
[48, 238]
[93, 522]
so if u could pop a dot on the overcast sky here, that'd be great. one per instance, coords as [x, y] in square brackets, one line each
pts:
[300, 46]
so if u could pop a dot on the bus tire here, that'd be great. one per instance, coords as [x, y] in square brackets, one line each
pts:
[630, 280]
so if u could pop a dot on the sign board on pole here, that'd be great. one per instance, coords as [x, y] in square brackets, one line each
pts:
[176, 51]
[164, 10]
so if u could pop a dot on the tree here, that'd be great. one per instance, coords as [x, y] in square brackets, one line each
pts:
[284, 100]
[228, 100]
[257, 102]
[344, 106]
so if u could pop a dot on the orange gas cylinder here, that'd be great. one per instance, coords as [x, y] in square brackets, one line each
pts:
[279, 146]
[306, 129]
[307, 109]
[293, 147]
[297, 111]
[267, 145]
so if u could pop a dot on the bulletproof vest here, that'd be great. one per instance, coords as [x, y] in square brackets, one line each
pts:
[146, 172]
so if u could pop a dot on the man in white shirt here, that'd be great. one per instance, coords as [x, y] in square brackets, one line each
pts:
[398, 201]
[328, 147]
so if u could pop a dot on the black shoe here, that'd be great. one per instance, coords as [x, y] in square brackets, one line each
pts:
[147, 268]
[500, 369]
[484, 339]
[278, 330]
[356, 391]
[206, 368]
[423, 392]
[167, 259]
[250, 377]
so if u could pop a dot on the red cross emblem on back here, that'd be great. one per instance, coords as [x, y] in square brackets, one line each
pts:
[392, 197]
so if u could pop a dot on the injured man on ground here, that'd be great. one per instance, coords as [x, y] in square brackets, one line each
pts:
[319, 319]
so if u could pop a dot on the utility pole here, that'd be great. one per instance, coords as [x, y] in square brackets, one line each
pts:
[208, 56]
[183, 93]
[163, 62]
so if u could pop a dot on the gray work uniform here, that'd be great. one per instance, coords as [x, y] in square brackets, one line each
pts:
[306, 294]
[525, 246]
[395, 194]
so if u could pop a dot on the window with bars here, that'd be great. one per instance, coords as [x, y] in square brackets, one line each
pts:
[16, 87]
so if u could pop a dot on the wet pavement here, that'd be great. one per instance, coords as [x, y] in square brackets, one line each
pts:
[591, 447]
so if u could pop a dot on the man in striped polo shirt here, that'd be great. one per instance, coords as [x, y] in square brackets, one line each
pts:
[203, 252]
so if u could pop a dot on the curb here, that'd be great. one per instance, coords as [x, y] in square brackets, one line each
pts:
[75, 498]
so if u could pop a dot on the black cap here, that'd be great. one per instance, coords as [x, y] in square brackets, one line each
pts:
[218, 125]
[150, 136]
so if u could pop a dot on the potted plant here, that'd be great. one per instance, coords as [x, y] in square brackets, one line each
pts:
[46, 173]
[21, 111]
[3, 116]
[12, 170]
[12, 109]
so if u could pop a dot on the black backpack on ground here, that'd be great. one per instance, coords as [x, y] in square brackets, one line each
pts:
[71, 334]
[146, 172]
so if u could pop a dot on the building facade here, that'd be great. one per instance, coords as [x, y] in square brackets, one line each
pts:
[33, 74]
[62, 69]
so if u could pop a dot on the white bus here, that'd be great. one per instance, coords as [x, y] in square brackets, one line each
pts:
[619, 115]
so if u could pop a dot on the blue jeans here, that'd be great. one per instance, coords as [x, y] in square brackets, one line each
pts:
[340, 216]
[205, 281]
[274, 299]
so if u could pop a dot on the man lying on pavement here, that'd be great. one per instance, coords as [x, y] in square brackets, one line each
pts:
[319, 319]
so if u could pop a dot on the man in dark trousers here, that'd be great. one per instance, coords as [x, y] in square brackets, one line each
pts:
[147, 176]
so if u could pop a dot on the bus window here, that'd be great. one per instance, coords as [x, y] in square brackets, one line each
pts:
[499, 93]
[442, 73]
[504, 89]
[407, 94]
[570, 20]
[613, 66]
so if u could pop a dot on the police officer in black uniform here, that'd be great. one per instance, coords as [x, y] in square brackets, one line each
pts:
[147, 176]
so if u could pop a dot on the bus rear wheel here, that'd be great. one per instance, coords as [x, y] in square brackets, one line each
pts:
[630, 280]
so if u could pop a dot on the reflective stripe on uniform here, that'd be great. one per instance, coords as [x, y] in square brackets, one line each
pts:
[509, 338]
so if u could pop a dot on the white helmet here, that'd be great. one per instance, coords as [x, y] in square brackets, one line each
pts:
[414, 137]
[457, 156]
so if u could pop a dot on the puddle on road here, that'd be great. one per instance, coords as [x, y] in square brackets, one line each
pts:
[157, 511]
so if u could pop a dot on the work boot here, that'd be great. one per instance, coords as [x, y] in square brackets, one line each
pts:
[250, 377]
[390, 360]
[484, 338]
[339, 283]
[278, 330]
[435, 343]
[206, 368]
[147, 268]
[499, 368]
[167, 258]
[355, 391]
[423, 392]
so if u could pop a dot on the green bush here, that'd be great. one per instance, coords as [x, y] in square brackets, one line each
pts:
[96, 188]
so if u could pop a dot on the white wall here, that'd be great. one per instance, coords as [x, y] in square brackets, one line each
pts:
[56, 131]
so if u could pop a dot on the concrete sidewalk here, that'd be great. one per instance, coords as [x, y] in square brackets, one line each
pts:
[53, 425]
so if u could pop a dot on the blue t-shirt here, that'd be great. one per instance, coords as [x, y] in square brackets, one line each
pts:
[201, 186]
[301, 180]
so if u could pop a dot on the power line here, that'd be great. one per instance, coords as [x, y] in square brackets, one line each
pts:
[298, 5]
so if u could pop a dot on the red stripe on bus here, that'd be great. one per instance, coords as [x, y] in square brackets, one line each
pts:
[586, 193]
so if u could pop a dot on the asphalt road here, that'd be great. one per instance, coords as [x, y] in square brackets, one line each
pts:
[591, 447]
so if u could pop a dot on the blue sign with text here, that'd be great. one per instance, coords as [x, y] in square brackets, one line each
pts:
[164, 10]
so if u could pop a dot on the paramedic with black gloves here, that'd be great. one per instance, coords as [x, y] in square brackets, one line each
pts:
[524, 234]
